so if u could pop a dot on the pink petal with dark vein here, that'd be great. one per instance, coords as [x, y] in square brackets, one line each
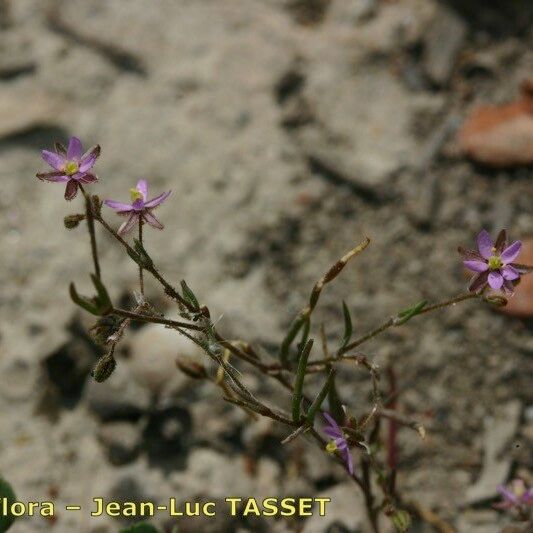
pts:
[142, 187]
[74, 149]
[71, 190]
[88, 159]
[476, 266]
[119, 206]
[127, 226]
[511, 252]
[152, 220]
[485, 244]
[495, 280]
[53, 176]
[54, 160]
[158, 200]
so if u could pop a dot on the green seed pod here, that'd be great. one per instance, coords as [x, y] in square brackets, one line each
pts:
[73, 221]
[104, 368]
[401, 520]
[497, 300]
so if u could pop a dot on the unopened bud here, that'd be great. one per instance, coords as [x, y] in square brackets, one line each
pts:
[497, 300]
[96, 205]
[105, 327]
[401, 520]
[191, 368]
[104, 368]
[72, 221]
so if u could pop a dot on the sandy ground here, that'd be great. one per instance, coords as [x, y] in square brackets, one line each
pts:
[286, 131]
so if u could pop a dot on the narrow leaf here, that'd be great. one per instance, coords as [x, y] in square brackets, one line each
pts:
[189, 296]
[321, 396]
[289, 338]
[410, 312]
[82, 301]
[104, 301]
[299, 380]
[348, 326]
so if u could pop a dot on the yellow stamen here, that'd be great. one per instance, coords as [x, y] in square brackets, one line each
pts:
[495, 262]
[71, 167]
[331, 447]
[135, 195]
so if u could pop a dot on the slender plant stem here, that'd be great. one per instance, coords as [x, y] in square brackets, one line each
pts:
[154, 319]
[90, 225]
[141, 278]
[392, 322]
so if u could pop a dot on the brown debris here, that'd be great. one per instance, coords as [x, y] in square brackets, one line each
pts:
[501, 136]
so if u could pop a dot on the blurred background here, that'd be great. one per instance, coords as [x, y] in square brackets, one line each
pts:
[286, 130]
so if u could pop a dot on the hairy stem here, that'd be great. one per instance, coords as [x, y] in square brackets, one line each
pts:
[141, 278]
[90, 226]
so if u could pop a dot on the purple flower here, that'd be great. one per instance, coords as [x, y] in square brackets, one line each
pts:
[493, 263]
[515, 495]
[338, 442]
[140, 208]
[71, 166]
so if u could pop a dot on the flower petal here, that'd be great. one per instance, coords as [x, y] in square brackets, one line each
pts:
[85, 178]
[332, 422]
[88, 159]
[150, 218]
[348, 460]
[495, 280]
[511, 252]
[332, 432]
[476, 266]
[74, 149]
[119, 206]
[510, 273]
[142, 187]
[507, 494]
[158, 200]
[71, 190]
[470, 254]
[478, 281]
[485, 244]
[54, 160]
[127, 226]
[60, 149]
[56, 176]
[501, 241]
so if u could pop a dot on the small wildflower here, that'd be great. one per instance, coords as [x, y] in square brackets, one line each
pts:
[515, 496]
[493, 263]
[71, 166]
[139, 209]
[338, 442]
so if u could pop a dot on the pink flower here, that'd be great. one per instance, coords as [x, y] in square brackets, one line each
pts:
[515, 495]
[140, 209]
[493, 263]
[71, 166]
[338, 442]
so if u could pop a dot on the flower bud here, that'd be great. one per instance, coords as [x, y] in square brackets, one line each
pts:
[72, 221]
[401, 520]
[104, 368]
[497, 300]
[104, 328]
[191, 368]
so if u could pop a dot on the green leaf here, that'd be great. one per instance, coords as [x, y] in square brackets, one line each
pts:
[299, 380]
[104, 301]
[289, 338]
[348, 326]
[142, 258]
[82, 301]
[189, 296]
[6, 491]
[410, 312]
[142, 527]
[319, 400]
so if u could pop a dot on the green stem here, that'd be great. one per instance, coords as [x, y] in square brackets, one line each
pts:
[141, 278]
[90, 226]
